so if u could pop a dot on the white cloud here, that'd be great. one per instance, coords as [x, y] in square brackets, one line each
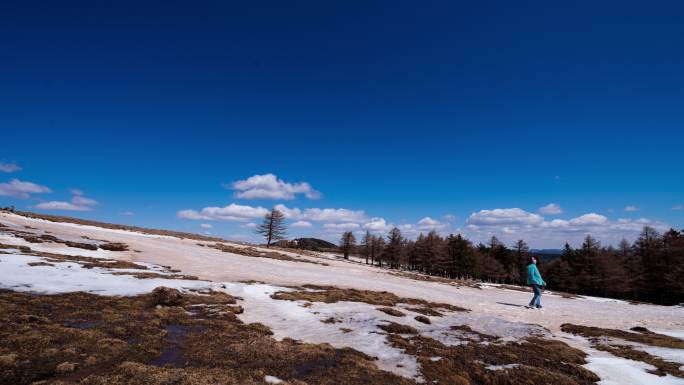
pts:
[206, 225]
[78, 203]
[302, 224]
[513, 216]
[631, 208]
[23, 190]
[429, 224]
[83, 201]
[60, 205]
[127, 213]
[9, 167]
[427, 221]
[269, 186]
[376, 224]
[591, 219]
[249, 225]
[551, 209]
[75, 191]
[232, 212]
[678, 208]
[341, 226]
[323, 215]
[514, 225]
[449, 218]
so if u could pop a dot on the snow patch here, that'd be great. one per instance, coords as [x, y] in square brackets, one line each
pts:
[65, 277]
[272, 380]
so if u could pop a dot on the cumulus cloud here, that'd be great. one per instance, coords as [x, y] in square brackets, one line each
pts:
[341, 226]
[376, 224]
[61, 205]
[496, 217]
[551, 209]
[78, 203]
[323, 215]
[22, 190]
[631, 208]
[232, 212]
[269, 186]
[449, 218]
[518, 224]
[591, 219]
[206, 225]
[9, 167]
[83, 201]
[429, 224]
[302, 224]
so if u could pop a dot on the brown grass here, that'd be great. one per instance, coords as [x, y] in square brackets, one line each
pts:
[395, 328]
[597, 336]
[254, 252]
[58, 219]
[331, 294]
[430, 278]
[94, 340]
[422, 319]
[662, 367]
[541, 361]
[645, 337]
[114, 246]
[391, 311]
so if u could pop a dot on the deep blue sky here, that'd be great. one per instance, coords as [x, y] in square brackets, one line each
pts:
[402, 109]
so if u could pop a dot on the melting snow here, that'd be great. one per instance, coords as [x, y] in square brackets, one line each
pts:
[272, 380]
[65, 277]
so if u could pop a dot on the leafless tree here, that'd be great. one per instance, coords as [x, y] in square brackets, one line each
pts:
[347, 243]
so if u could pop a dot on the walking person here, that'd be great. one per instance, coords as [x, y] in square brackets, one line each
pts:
[535, 279]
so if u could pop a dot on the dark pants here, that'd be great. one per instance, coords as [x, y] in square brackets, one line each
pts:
[536, 300]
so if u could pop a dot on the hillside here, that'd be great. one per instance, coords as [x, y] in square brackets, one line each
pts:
[78, 310]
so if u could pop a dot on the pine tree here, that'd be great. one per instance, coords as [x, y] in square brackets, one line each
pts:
[273, 227]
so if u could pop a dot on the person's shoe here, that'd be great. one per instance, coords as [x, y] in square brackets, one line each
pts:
[539, 307]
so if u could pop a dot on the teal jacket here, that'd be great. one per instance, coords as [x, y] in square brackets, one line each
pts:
[533, 276]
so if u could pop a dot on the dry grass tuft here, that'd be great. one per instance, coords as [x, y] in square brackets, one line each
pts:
[541, 361]
[254, 252]
[662, 367]
[114, 246]
[645, 337]
[423, 319]
[393, 327]
[331, 294]
[391, 311]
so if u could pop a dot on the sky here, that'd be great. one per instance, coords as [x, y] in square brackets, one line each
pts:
[525, 120]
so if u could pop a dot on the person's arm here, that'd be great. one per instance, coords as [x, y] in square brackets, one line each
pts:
[539, 276]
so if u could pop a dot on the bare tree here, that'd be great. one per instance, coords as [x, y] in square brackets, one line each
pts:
[273, 227]
[347, 243]
[367, 245]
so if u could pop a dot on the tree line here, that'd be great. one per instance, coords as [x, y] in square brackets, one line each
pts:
[650, 269]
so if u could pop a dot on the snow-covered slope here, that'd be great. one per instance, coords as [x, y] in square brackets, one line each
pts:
[494, 310]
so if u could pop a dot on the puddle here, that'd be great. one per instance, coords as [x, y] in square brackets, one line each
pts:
[306, 368]
[171, 352]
